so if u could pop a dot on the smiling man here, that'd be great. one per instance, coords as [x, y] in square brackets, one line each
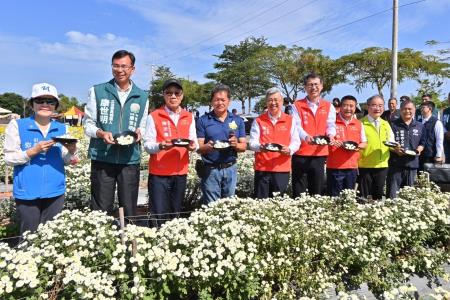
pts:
[168, 164]
[221, 135]
[113, 107]
[272, 167]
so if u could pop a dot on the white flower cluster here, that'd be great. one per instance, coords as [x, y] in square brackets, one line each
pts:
[237, 248]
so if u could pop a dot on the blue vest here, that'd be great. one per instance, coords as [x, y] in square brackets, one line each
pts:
[410, 137]
[112, 117]
[446, 118]
[430, 149]
[43, 176]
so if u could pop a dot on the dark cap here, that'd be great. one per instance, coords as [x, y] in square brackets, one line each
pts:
[170, 82]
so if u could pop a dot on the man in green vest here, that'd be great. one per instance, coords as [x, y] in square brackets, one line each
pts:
[373, 163]
[114, 107]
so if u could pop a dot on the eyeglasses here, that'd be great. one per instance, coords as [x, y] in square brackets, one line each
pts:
[46, 101]
[123, 67]
[376, 105]
[177, 93]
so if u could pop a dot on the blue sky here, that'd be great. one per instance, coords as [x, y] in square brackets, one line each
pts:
[70, 43]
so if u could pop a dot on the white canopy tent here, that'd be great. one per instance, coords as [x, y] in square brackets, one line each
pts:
[4, 111]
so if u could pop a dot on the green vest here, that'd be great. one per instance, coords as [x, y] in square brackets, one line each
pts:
[376, 154]
[112, 117]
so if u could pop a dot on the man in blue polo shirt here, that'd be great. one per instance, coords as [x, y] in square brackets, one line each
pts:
[220, 136]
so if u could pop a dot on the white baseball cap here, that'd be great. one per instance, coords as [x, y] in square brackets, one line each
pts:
[44, 89]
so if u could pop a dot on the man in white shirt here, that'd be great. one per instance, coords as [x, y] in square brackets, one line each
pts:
[170, 135]
[115, 107]
[434, 131]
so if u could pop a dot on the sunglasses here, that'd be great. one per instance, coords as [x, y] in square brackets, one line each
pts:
[46, 101]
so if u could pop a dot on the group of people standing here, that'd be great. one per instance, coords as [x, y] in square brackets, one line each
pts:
[313, 137]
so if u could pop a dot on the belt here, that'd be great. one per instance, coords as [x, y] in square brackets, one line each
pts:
[220, 165]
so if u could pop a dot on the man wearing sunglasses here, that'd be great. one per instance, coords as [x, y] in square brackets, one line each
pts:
[112, 108]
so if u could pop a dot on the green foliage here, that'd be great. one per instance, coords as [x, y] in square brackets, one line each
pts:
[14, 102]
[241, 67]
[65, 103]
[260, 106]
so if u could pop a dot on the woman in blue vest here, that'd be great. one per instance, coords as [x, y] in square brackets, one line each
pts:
[39, 180]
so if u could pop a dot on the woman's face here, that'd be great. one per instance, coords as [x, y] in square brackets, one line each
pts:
[44, 107]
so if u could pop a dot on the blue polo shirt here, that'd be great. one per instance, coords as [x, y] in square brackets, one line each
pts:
[210, 128]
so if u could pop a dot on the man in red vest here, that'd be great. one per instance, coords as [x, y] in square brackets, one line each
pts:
[342, 161]
[168, 164]
[274, 126]
[315, 117]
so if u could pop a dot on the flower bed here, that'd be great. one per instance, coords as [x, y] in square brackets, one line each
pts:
[237, 249]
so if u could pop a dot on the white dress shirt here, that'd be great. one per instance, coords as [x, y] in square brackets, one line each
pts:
[150, 144]
[439, 134]
[255, 135]
[376, 123]
[90, 111]
[331, 119]
[15, 156]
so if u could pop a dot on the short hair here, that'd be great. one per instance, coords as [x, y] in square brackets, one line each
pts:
[123, 53]
[311, 76]
[406, 102]
[393, 98]
[373, 97]
[427, 95]
[273, 90]
[430, 104]
[404, 98]
[220, 87]
[349, 97]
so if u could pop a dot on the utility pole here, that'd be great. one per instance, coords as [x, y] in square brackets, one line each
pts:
[394, 49]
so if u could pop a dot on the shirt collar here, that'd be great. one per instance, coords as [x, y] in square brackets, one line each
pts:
[310, 103]
[344, 120]
[170, 112]
[274, 117]
[372, 120]
[123, 91]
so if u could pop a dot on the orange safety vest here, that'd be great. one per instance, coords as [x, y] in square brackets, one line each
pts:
[339, 158]
[313, 125]
[174, 161]
[279, 133]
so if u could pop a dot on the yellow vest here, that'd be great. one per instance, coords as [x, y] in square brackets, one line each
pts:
[376, 154]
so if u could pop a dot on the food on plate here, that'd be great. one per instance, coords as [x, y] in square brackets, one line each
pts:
[125, 140]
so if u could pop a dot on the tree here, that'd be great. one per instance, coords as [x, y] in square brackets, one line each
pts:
[260, 106]
[15, 103]
[444, 52]
[195, 94]
[241, 68]
[65, 103]
[373, 66]
[288, 66]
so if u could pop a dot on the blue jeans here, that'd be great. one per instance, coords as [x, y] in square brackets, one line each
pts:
[340, 179]
[218, 183]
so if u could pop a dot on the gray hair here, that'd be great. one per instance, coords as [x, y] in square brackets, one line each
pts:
[373, 97]
[273, 90]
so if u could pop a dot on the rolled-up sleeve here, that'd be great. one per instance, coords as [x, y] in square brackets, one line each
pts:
[298, 122]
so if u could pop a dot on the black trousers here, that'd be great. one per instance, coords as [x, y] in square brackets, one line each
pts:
[105, 177]
[166, 193]
[371, 182]
[308, 174]
[34, 212]
[266, 183]
[340, 179]
[425, 160]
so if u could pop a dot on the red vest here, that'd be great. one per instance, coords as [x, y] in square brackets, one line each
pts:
[279, 133]
[313, 125]
[174, 161]
[340, 158]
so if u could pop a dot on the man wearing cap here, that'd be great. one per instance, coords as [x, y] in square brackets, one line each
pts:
[39, 181]
[342, 162]
[314, 117]
[114, 107]
[446, 123]
[221, 135]
[403, 161]
[434, 131]
[373, 162]
[168, 164]
[272, 168]
[392, 113]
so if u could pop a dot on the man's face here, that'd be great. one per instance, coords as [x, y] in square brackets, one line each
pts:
[376, 107]
[173, 96]
[425, 110]
[274, 103]
[392, 104]
[313, 88]
[348, 108]
[425, 98]
[122, 69]
[220, 102]
[407, 112]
